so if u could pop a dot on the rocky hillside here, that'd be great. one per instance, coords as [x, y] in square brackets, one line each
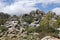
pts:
[33, 26]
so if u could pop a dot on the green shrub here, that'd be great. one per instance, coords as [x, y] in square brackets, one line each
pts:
[3, 28]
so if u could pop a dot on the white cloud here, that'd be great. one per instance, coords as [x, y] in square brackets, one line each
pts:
[24, 6]
[56, 10]
[2, 4]
[19, 7]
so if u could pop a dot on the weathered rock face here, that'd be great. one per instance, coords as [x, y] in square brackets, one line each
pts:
[37, 14]
[49, 38]
[11, 23]
[34, 24]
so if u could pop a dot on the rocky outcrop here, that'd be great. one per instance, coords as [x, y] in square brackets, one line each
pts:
[49, 38]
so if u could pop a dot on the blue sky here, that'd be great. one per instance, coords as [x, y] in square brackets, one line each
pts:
[48, 7]
[8, 1]
[25, 6]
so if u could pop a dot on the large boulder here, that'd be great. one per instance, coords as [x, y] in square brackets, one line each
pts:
[49, 38]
